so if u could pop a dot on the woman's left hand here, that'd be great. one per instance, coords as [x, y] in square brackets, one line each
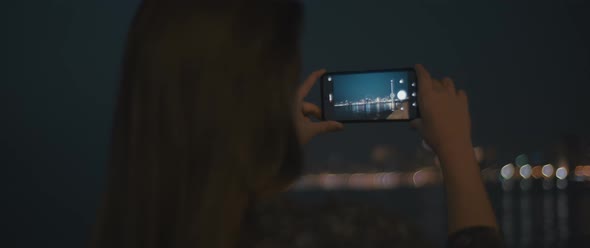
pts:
[307, 129]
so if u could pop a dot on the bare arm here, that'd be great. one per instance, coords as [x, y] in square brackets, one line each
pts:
[446, 127]
[467, 201]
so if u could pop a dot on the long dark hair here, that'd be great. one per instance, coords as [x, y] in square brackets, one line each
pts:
[204, 121]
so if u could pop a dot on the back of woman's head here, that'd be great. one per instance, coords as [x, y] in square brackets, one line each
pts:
[203, 123]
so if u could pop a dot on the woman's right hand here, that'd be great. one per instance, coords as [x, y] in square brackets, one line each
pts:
[445, 121]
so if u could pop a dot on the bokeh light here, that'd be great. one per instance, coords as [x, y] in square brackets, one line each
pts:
[536, 172]
[547, 170]
[578, 171]
[507, 171]
[419, 178]
[526, 171]
[561, 173]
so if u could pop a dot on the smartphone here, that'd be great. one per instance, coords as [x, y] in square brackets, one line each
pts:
[370, 96]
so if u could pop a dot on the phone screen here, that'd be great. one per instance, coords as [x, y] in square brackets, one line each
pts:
[384, 95]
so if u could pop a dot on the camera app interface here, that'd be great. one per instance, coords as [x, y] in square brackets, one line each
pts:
[370, 96]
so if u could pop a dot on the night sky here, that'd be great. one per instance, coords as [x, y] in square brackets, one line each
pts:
[524, 64]
[354, 87]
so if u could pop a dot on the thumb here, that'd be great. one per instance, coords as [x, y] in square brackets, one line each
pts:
[326, 127]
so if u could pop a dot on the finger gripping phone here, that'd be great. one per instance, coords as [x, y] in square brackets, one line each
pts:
[370, 96]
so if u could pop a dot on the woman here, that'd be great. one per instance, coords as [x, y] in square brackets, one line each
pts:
[209, 121]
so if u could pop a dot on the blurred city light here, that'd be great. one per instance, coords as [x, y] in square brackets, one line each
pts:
[431, 176]
[507, 171]
[389, 180]
[330, 181]
[359, 181]
[537, 172]
[522, 160]
[419, 178]
[547, 170]
[381, 174]
[578, 171]
[526, 171]
[561, 173]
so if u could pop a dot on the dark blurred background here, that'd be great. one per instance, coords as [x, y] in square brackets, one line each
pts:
[524, 64]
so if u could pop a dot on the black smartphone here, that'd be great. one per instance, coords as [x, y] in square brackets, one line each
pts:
[370, 96]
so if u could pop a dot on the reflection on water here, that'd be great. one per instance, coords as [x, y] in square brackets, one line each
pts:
[562, 217]
[526, 223]
[507, 217]
[537, 218]
[530, 217]
[368, 111]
